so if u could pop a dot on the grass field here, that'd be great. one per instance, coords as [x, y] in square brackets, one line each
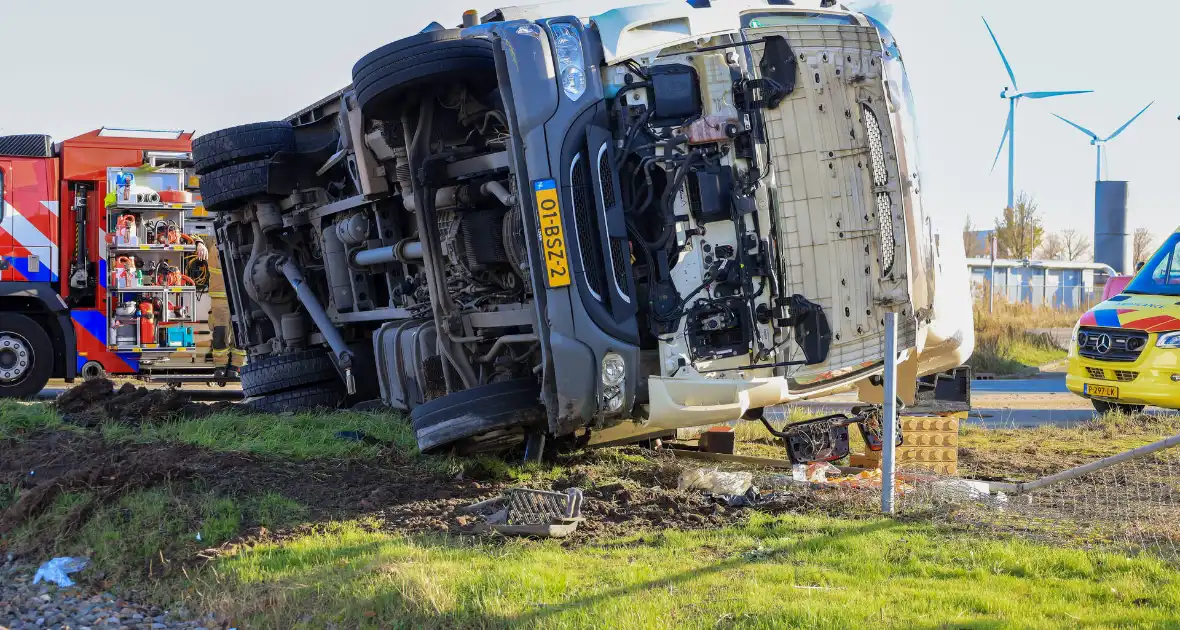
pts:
[268, 559]
[1005, 347]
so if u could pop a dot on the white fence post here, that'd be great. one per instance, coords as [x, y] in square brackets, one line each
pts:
[889, 416]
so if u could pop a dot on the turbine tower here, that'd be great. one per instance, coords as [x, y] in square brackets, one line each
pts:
[1097, 142]
[1010, 128]
[1110, 206]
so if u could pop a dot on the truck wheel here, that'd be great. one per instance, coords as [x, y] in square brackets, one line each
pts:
[1103, 407]
[229, 186]
[287, 371]
[26, 356]
[488, 418]
[322, 396]
[92, 371]
[388, 72]
[239, 144]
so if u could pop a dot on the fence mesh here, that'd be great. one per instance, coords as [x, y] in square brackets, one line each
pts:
[1132, 506]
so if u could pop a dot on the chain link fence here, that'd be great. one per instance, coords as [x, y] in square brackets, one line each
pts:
[1130, 505]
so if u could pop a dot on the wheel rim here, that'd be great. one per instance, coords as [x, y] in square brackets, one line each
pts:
[92, 370]
[16, 358]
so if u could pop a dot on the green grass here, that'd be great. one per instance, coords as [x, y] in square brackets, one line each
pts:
[308, 435]
[18, 418]
[791, 572]
[1003, 345]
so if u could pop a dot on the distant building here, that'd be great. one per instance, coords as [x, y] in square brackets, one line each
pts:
[1052, 283]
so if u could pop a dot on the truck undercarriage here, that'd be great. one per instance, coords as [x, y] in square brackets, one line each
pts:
[515, 229]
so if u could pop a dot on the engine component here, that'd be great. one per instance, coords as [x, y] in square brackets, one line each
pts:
[778, 68]
[813, 333]
[709, 194]
[336, 268]
[482, 232]
[677, 94]
[719, 328]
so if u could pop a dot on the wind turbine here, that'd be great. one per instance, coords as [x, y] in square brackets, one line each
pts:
[1010, 128]
[1097, 142]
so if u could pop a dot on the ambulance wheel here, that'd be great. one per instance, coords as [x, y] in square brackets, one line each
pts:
[92, 371]
[26, 356]
[1103, 407]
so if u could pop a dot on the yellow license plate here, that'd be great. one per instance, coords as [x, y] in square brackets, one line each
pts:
[1101, 391]
[552, 236]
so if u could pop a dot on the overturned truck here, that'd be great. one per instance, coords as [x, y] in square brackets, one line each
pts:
[591, 230]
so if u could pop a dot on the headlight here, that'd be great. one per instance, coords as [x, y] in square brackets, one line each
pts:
[612, 398]
[613, 369]
[1168, 340]
[571, 63]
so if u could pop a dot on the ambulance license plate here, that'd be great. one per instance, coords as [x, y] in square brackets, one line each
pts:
[1101, 391]
[552, 234]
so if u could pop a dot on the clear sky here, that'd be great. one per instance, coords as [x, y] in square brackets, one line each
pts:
[75, 65]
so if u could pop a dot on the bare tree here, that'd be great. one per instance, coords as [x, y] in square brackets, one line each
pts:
[1077, 246]
[973, 246]
[1052, 248]
[1020, 230]
[1142, 245]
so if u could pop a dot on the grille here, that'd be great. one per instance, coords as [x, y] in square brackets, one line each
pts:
[604, 173]
[884, 203]
[1126, 376]
[1111, 344]
[618, 249]
[585, 226]
[1097, 373]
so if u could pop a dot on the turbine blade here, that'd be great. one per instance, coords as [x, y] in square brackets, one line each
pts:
[1078, 127]
[1000, 151]
[1051, 94]
[1128, 123]
[1003, 57]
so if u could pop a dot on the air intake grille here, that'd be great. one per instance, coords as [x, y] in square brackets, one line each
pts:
[586, 226]
[884, 203]
[618, 249]
[608, 182]
[1125, 376]
[1111, 344]
[1097, 373]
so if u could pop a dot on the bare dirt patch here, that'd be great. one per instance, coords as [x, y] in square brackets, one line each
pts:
[97, 402]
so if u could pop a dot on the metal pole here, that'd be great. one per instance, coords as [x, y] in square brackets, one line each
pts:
[889, 415]
[1100, 464]
[991, 280]
[1012, 153]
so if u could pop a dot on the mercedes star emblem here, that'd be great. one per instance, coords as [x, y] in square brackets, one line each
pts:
[1103, 344]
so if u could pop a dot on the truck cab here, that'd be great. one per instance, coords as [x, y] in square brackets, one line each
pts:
[663, 216]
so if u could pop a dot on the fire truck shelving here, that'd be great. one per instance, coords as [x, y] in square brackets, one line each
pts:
[85, 293]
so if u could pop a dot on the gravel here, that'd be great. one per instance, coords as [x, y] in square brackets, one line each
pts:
[27, 605]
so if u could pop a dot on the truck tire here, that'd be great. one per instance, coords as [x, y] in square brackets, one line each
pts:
[242, 143]
[227, 187]
[322, 396]
[482, 419]
[383, 75]
[1103, 407]
[287, 371]
[26, 356]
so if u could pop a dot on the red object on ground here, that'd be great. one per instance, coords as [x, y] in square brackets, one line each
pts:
[176, 196]
[147, 323]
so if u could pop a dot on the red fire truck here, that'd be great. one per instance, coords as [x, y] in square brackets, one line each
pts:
[94, 250]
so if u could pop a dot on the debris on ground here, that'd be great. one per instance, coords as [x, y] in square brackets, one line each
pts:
[24, 604]
[97, 402]
[525, 512]
[715, 481]
[58, 570]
